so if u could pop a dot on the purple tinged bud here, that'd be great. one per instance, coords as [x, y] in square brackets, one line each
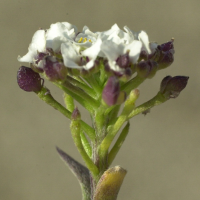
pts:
[166, 59]
[172, 86]
[166, 54]
[143, 55]
[147, 69]
[166, 46]
[76, 115]
[111, 91]
[123, 61]
[28, 80]
[54, 69]
[36, 69]
[127, 75]
[40, 57]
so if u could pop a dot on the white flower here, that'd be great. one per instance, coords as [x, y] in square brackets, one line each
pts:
[73, 59]
[116, 35]
[85, 38]
[113, 51]
[141, 36]
[59, 33]
[38, 44]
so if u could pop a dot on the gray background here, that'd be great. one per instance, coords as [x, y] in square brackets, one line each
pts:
[162, 152]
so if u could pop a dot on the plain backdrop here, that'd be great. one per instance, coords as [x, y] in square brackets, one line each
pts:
[162, 151]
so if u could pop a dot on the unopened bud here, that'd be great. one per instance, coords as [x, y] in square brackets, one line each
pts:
[146, 69]
[167, 46]
[126, 75]
[54, 69]
[172, 86]
[28, 80]
[123, 61]
[111, 91]
[166, 57]
[76, 115]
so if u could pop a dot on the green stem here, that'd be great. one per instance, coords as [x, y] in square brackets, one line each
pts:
[75, 130]
[88, 130]
[89, 105]
[132, 84]
[157, 100]
[81, 93]
[86, 144]
[113, 114]
[113, 152]
[45, 95]
[95, 85]
[69, 102]
[103, 74]
[103, 150]
[83, 86]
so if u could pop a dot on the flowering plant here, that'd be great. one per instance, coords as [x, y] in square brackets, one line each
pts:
[101, 71]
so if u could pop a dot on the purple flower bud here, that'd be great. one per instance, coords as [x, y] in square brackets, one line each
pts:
[76, 115]
[147, 69]
[111, 91]
[41, 56]
[172, 86]
[54, 69]
[143, 55]
[126, 75]
[166, 54]
[166, 46]
[166, 59]
[28, 80]
[123, 61]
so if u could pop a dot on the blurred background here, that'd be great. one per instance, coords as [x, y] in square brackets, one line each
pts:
[162, 151]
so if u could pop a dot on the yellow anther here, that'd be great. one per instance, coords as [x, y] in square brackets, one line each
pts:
[85, 40]
[80, 40]
[90, 40]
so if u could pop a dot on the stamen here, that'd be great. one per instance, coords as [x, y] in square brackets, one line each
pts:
[80, 40]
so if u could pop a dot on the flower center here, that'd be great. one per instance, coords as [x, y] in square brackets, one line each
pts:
[83, 40]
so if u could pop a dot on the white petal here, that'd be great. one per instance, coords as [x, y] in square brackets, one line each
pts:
[153, 46]
[111, 50]
[89, 65]
[60, 30]
[70, 55]
[38, 44]
[134, 50]
[143, 37]
[113, 65]
[94, 50]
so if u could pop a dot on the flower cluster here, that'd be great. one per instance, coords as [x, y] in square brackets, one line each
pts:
[61, 49]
